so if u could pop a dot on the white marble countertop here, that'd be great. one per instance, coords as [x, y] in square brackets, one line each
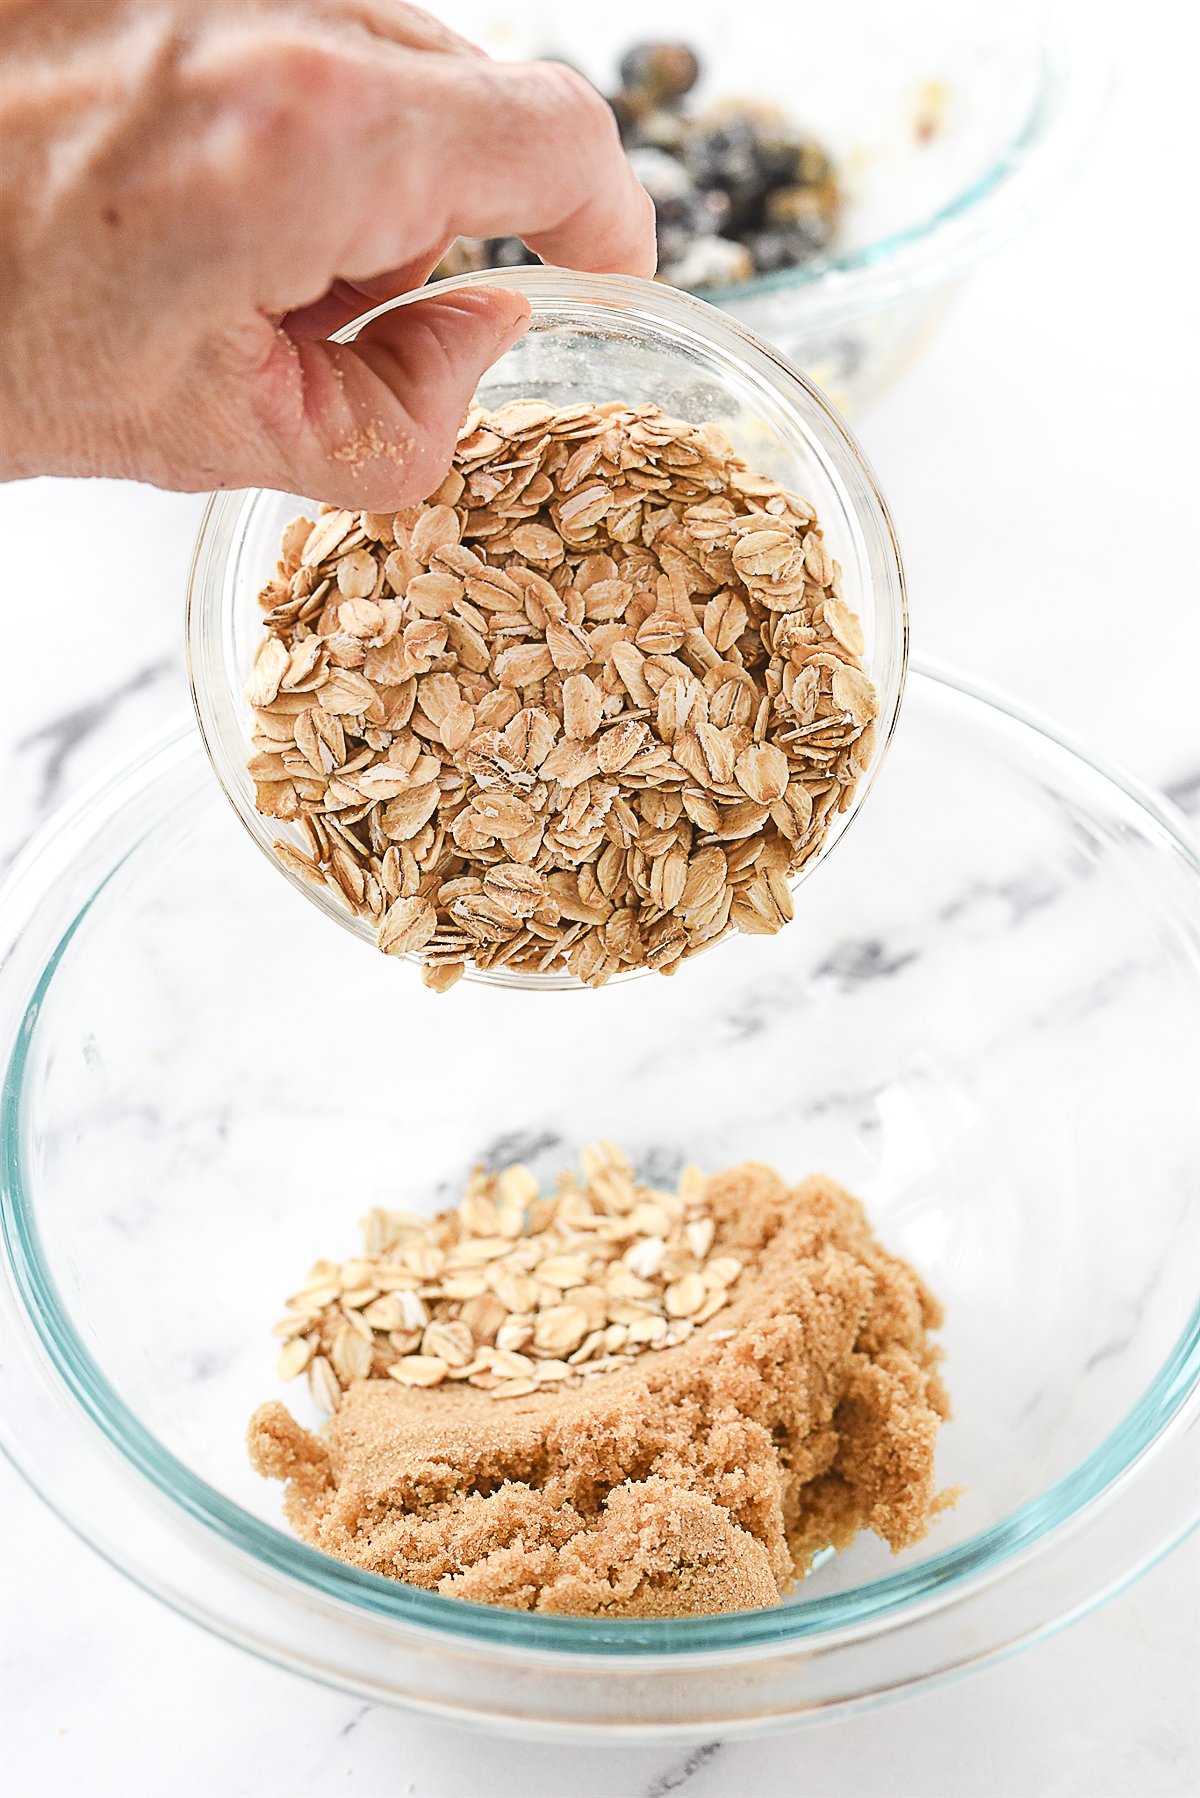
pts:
[1038, 463]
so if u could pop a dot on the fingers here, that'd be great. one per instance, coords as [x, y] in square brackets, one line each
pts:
[587, 209]
[533, 151]
[347, 164]
[373, 424]
[541, 158]
[561, 181]
[525, 149]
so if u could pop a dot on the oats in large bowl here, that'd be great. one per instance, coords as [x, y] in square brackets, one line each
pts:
[612, 1399]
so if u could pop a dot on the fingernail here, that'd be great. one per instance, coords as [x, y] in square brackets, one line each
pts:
[517, 327]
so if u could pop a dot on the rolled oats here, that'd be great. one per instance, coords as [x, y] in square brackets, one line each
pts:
[585, 709]
[584, 1279]
[419, 1370]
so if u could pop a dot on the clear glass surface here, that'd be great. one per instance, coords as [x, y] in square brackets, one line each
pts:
[984, 1021]
[952, 126]
[592, 338]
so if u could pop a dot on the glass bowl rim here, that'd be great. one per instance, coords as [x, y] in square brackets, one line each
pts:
[690, 321]
[1074, 81]
[956, 1574]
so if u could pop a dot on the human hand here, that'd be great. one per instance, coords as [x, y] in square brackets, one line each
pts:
[196, 192]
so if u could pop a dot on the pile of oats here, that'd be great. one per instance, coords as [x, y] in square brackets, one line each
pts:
[513, 1289]
[586, 709]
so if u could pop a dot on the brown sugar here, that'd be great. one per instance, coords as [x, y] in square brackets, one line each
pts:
[702, 1477]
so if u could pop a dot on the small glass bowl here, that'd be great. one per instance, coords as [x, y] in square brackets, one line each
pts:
[984, 1022]
[952, 127]
[592, 338]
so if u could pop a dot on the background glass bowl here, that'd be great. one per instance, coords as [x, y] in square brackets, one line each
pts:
[592, 338]
[983, 1020]
[952, 125]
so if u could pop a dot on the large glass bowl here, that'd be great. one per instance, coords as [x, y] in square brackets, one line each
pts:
[984, 1021]
[952, 126]
[592, 338]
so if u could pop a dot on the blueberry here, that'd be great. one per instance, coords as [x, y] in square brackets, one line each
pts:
[726, 156]
[660, 71]
[683, 212]
[791, 160]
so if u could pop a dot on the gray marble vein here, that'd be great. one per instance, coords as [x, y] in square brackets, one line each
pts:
[1022, 894]
[360, 1716]
[677, 1777]
[59, 737]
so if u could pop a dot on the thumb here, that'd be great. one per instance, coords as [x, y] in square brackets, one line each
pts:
[372, 424]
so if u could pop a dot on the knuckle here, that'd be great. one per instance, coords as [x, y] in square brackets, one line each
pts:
[571, 95]
[277, 90]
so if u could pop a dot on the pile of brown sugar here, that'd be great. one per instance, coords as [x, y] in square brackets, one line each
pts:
[700, 1478]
